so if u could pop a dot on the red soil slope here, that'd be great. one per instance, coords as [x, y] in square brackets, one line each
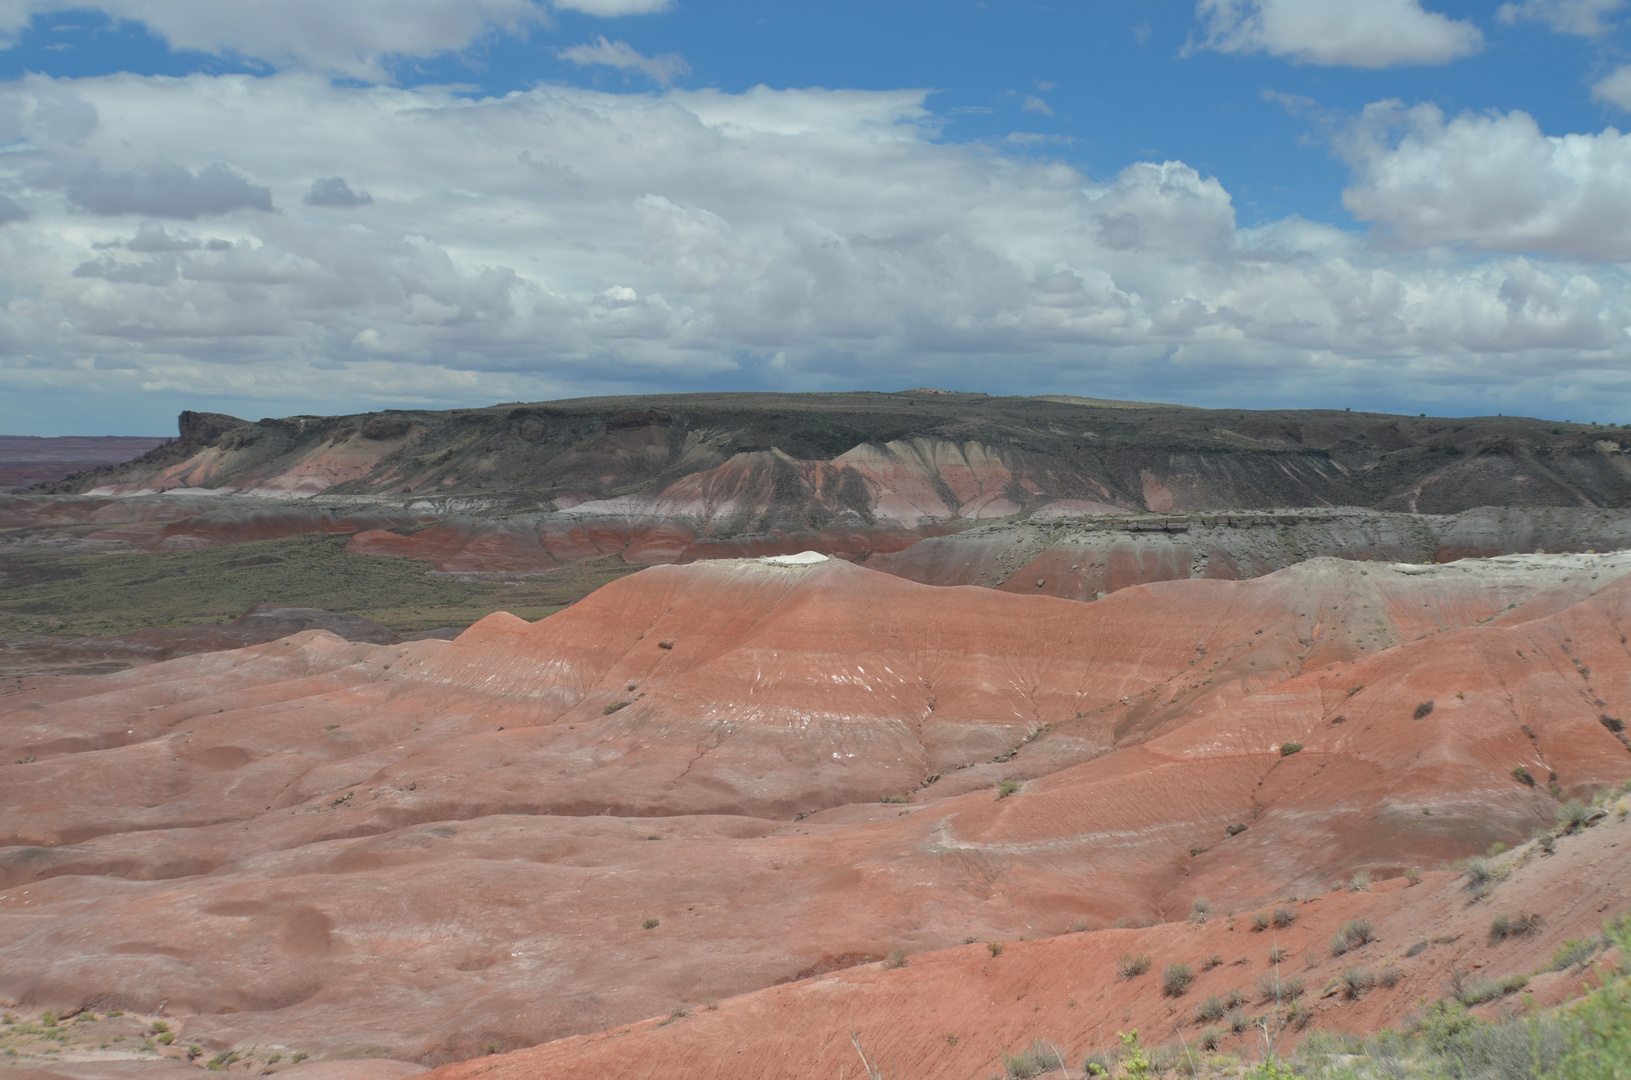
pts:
[957, 1012]
[415, 850]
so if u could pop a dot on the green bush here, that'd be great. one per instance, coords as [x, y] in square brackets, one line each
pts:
[1289, 748]
[1132, 965]
[1007, 788]
[1284, 917]
[1260, 920]
[895, 959]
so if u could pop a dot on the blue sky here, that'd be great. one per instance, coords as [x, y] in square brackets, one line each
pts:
[1401, 205]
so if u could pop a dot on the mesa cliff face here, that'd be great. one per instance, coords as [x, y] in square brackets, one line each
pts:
[753, 462]
[526, 489]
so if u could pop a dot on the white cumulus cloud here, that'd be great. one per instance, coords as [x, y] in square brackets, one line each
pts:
[611, 8]
[352, 37]
[1615, 88]
[564, 241]
[1490, 181]
[1368, 34]
[662, 69]
[1583, 17]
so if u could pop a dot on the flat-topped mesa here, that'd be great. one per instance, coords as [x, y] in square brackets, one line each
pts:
[1023, 454]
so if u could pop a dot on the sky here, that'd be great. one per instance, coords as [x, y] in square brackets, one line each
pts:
[277, 207]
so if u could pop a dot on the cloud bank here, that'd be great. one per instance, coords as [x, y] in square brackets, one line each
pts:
[560, 241]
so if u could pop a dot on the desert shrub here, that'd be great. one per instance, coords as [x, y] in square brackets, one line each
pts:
[1097, 1064]
[1355, 981]
[1505, 926]
[160, 1026]
[1277, 955]
[1360, 882]
[1480, 875]
[1284, 917]
[1412, 876]
[1213, 961]
[895, 959]
[651, 924]
[1388, 976]
[1234, 999]
[1573, 953]
[1131, 965]
[1522, 775]
[1200, 910]
[167, 1037]
[1039, 1058]
[1176, 979]
[1271, 1068]
[1211, 1038]
[48, 1020]
[1423, 710]
[1260, 921]
[1573, 814]
[1007, 788]
[1238, 1020]
[893, 799]
[994, 948]
[1354, 933]
[1477, 990]
[613, 706]
[1209, 1010]
[1289, 748]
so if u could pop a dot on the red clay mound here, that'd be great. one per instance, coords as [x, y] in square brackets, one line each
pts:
[417, 850]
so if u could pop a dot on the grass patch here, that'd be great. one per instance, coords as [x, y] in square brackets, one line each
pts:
[47, 592]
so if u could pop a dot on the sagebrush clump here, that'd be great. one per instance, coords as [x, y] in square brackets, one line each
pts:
[1176, 979]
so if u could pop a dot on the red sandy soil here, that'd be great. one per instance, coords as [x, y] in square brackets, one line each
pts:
[957, 1012]
[420, 850]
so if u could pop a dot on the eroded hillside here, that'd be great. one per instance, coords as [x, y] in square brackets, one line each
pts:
[783, 769]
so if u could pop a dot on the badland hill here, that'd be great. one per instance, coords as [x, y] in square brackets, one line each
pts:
[1060, 684]
[708, 780]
